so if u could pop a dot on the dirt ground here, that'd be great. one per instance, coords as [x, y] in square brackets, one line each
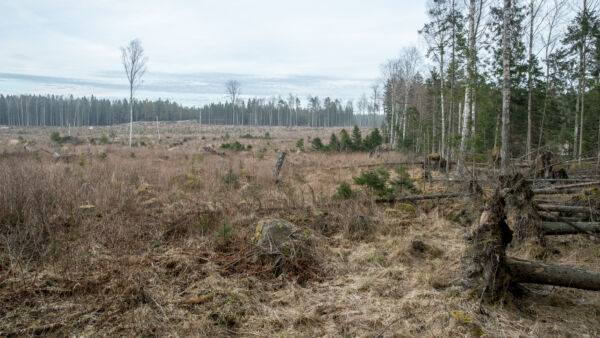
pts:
[117, 241]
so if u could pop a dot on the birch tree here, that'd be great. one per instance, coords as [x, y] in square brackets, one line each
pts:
[134, 63]
[468, 92]
[233, 90]
[409, 63]
[505, 150]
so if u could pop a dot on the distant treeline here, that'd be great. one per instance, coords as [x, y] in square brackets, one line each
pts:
[52, 110]
[290, 112]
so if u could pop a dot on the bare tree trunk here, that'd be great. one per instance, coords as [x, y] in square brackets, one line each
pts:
[393, 119]
[130, 113]
[505, 150]
[467, 107]
[581, 111]
[442, 117]
[545, 106]
[530, 82]
[157, 130]
[405, 111]
[576, 119]
[582, 69]
[473, 109]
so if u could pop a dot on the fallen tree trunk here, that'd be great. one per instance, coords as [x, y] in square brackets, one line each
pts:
[548, 201]
[523, 271]
[552, 191]
[551, 218]
[375, 165]
[573, 225]
[214, 152]
[568, 187]
[562, 228]
[563, 208]
[418, 198]
[583, 180]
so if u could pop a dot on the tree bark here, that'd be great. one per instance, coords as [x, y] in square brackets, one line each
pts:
[505, 150]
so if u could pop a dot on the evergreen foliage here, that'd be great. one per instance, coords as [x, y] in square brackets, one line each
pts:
[317, 144]
[378, 182]
[357, 141]
[345, 141]
[343, 192]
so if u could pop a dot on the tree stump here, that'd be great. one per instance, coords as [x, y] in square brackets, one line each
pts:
[279, 164]
[546, 166]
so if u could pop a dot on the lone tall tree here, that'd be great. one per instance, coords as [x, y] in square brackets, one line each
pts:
[134, 63]
[233, 90]
[505, 150]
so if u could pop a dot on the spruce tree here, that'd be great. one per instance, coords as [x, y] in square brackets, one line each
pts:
[357, 138]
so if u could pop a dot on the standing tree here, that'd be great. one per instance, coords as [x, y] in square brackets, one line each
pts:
[410, 60]
[437, 35]
[505, 150]
[534, 8]
[549, 41]
[375, 106]
[391, 77]
[134, 63]
[233, 90]
[578, 40]
[471, 54]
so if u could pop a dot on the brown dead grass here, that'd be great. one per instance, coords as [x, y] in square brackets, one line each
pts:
[146, 260]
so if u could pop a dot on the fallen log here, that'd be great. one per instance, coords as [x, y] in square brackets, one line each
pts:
[522, 271]
[552, 191]
[548, 201]
[214, 152]
[551, 218]
[375, 165]
[555, 190]
[418, 198]
[563, 208]
[534, 180]
[562, 228]
[574, 226]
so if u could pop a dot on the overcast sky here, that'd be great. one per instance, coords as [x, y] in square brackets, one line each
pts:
[326, 48]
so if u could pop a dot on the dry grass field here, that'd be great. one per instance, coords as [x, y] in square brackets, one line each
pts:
[108, 240]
